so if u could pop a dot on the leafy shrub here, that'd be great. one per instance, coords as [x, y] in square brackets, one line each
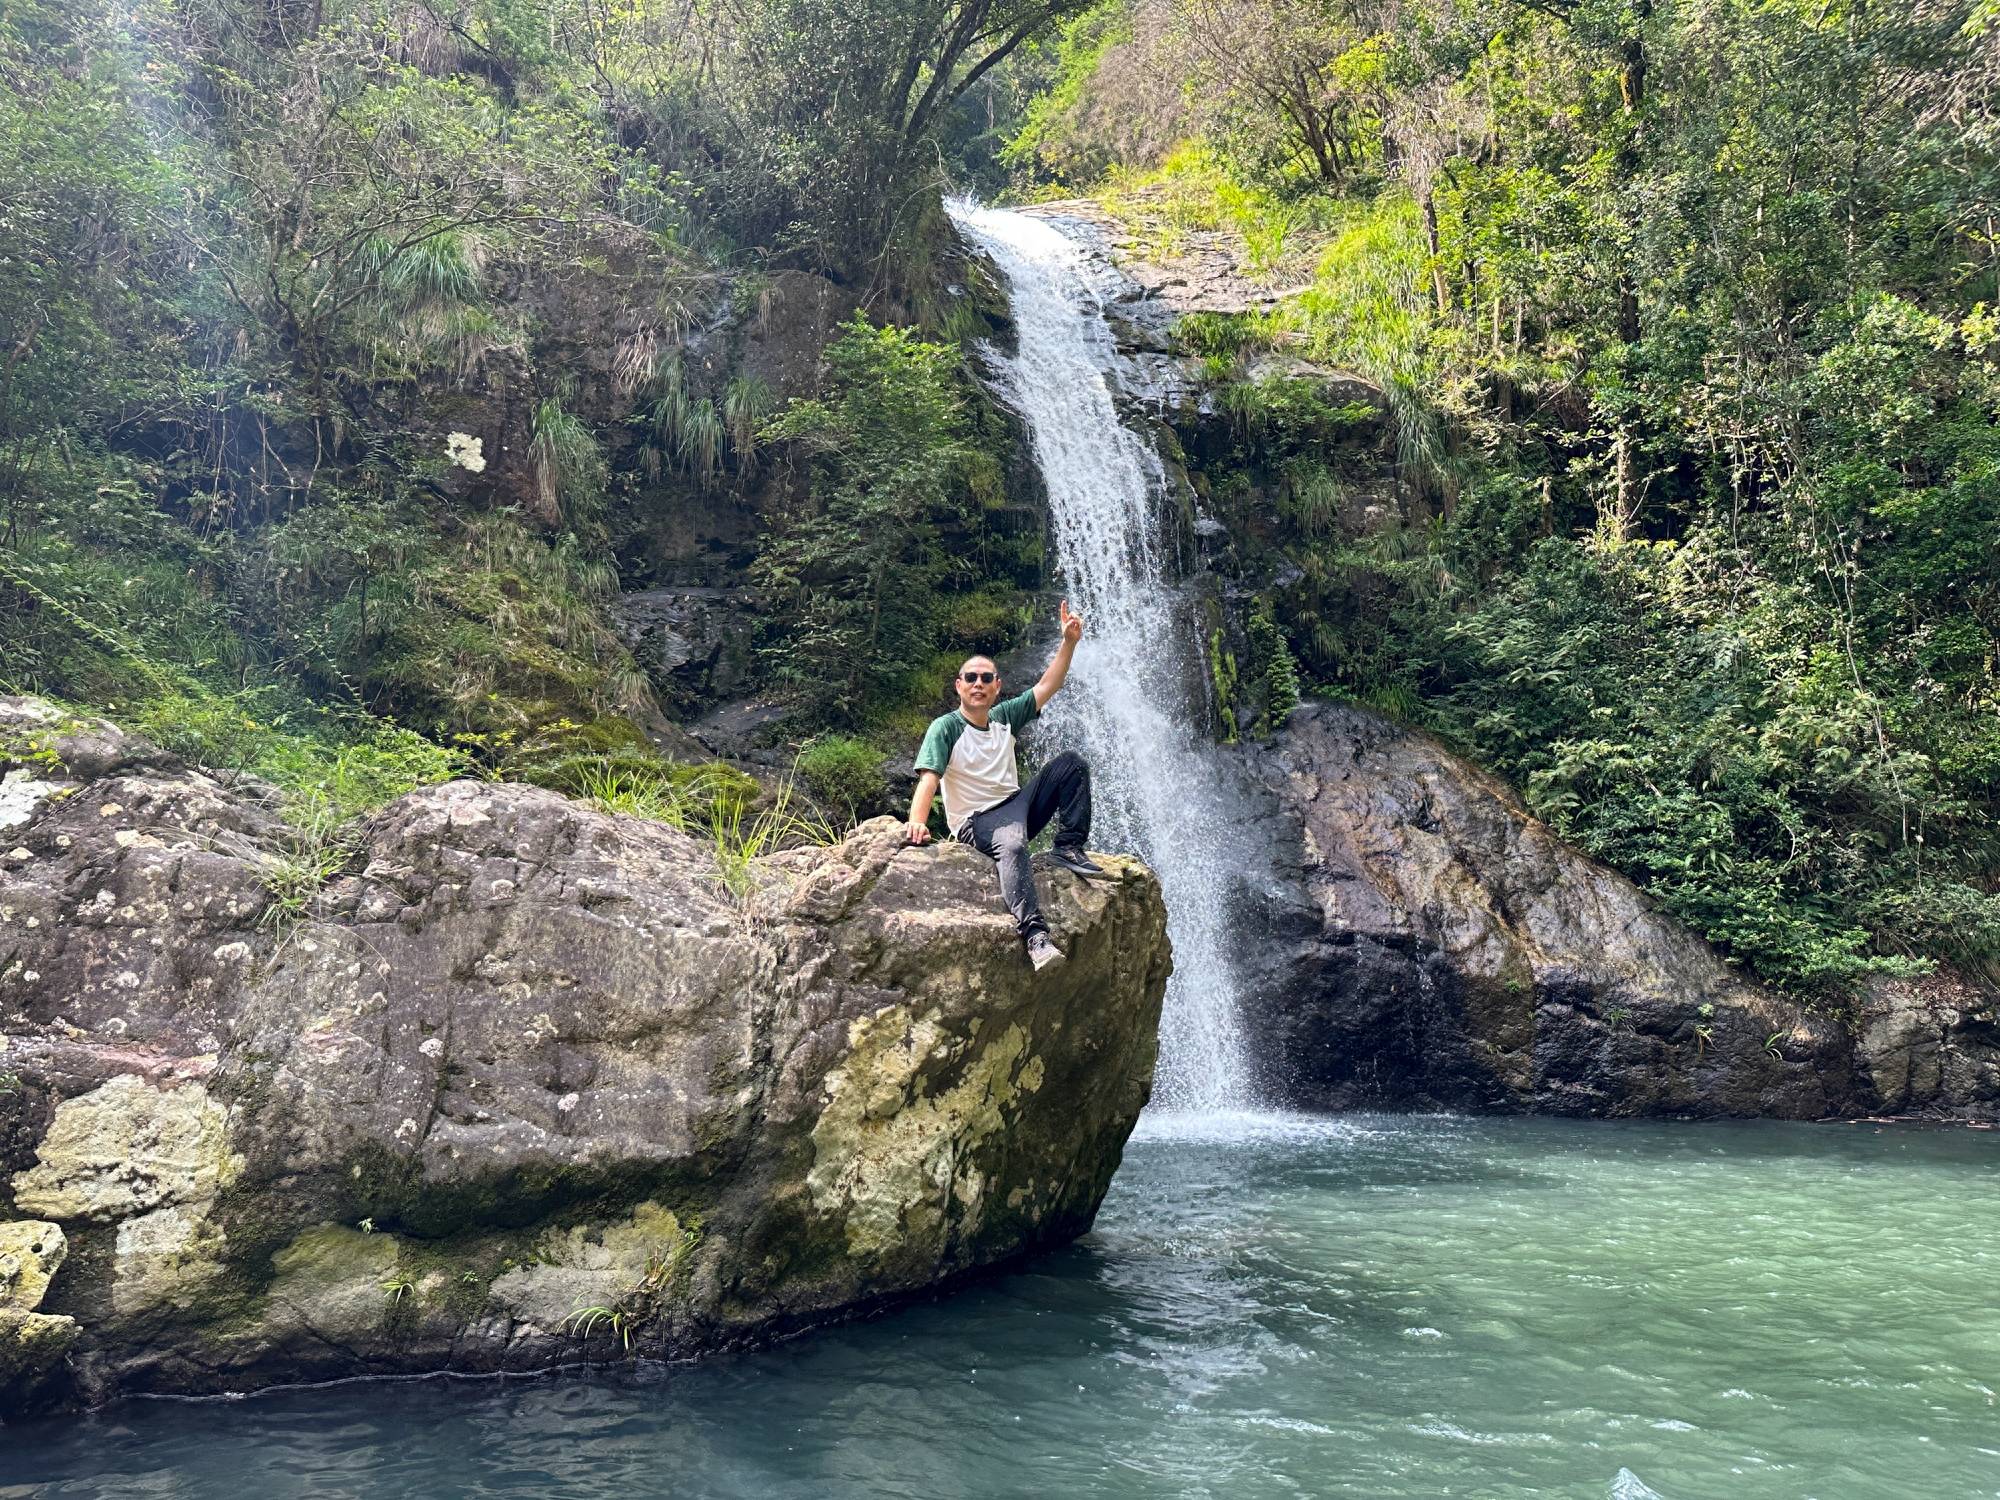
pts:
[857, 573]
[713, 802]
[987, 622]
[843, 772]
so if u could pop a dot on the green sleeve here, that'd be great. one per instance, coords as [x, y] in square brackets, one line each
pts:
[1018, 710]
[935, 753]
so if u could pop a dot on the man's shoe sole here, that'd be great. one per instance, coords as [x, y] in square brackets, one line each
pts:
[1090, 873]
[1046, 960]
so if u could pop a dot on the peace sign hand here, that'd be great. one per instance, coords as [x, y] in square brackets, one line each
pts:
[1072, 623]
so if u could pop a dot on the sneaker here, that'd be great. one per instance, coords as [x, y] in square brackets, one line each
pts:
[1075, 858]
[1042, 951]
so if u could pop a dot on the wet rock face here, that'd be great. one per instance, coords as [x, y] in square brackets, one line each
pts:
[1148, 285]
[1428, 944]
[695, 644]
[526, 1084]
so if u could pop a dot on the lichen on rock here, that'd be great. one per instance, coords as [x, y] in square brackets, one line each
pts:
[30, 1342]
[31, 1251]
[128, 1147]
[896, 1160]
[588, 1266]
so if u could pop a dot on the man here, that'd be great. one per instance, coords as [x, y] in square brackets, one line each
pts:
[970, 754]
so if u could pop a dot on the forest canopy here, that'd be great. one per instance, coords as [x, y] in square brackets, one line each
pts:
[1687, 312]
[351, 350]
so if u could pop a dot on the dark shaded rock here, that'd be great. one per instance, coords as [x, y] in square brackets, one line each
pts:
[525, 1081]
[794, 317]
[1430, 945]
[1931, 1046]
[695, 645]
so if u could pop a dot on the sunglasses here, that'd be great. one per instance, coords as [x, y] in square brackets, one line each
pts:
[977, 676]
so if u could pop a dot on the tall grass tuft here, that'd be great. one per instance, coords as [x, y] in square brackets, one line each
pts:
[716, 803]
[568, 467]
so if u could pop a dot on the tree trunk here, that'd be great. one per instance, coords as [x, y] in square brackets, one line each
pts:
[1438, 287]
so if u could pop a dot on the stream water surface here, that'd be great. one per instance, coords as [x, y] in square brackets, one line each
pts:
[1361, 1307]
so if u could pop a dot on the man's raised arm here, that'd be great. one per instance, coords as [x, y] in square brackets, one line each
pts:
[1058, 672]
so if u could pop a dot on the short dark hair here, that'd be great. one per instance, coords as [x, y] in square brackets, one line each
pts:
[987, 659]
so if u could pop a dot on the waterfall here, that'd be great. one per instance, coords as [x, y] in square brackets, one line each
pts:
[1132, 705]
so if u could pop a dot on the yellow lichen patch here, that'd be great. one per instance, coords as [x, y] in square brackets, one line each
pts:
[892, 1158]
[30, 1253]
[166, 1256]
[585, 1266]
[151, 1159]
[333, 1282]
[127, 1148]
[31, 1343]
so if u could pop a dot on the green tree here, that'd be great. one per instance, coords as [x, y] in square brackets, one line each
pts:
[857, 568]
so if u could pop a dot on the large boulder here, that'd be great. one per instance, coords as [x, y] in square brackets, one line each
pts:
[522, 1083]
[1428, 944]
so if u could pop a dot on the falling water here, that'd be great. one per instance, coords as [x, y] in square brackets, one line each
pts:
[1130, 706]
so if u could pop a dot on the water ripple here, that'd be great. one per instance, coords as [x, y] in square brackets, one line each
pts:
[1366, 1308]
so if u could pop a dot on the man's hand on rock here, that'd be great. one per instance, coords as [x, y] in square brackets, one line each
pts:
[917, 833]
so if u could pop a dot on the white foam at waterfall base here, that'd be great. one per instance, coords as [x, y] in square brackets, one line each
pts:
[1129, 707]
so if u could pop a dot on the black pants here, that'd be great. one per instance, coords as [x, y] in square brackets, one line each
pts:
[1060, 787]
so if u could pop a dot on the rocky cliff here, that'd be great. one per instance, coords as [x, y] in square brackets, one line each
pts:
[1428, 944]
[523, 1083]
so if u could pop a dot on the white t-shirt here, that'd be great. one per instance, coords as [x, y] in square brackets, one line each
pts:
[976, 767]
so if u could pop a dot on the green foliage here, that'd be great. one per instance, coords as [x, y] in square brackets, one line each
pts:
[739, 834]
[1223, 677]
[568, 467]
[1052, 135]
[1682, 323]
[843, 772]
[1220, 336]
[1274, 675]
[1668, 722]
[687, 797]
[231, 332]
[985, 622]
[860, 568]
[713, 802]
[812, 125]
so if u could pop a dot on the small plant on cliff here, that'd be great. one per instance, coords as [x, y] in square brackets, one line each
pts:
[587, 1320]
[1222, 671]
[1272, 671]
[567, 463]
[716, 802]
[746, 402]
[781, 824]
[321, 845]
